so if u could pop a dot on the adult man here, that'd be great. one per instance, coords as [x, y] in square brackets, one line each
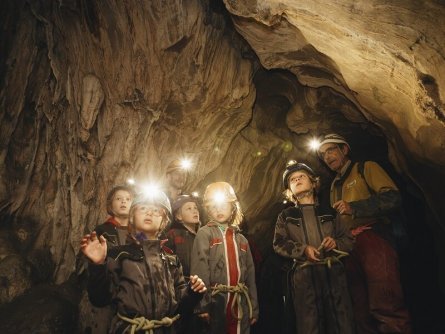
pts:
[363, 194]
[176, 177]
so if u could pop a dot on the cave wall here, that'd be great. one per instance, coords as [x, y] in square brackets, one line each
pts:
[92, 93]
[96, 92]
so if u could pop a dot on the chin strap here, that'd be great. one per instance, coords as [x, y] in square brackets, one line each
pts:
[305, 194]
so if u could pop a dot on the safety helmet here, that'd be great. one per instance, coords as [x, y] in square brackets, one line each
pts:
[113, 191]
[294, 166]
[333, 138]
[219, 192]
[181, 200]
[222, 192]
[157, 198]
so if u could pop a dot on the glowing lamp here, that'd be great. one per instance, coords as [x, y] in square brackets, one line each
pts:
[150, 190]
[131, 182]
[186, 164]
[219, 197]
[314, 144]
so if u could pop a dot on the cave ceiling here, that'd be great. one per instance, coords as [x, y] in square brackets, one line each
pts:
[92, 93]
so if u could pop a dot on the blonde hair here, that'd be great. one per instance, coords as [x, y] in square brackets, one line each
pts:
[237, 215]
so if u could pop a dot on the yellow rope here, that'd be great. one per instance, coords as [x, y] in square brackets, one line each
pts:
[327, 260]
[239, 290]
[141, 323]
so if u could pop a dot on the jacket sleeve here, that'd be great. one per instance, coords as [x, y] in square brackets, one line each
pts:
[103, 279]
[343, 236]
[188, 298]
[99, 284]
[282, 243]
[251, 284]
[200, 266]
[384, 198]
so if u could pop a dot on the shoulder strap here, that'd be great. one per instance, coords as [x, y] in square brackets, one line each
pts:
[361, 171]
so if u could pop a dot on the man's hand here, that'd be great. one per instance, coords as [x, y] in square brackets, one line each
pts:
[197, 284]
[328, 243]
[342, 207]
[94, 248]
[311, 253]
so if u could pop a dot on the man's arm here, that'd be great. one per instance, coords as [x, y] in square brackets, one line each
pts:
[385, 197]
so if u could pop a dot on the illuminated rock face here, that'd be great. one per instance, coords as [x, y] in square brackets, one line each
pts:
[92, 93]
[387, 59]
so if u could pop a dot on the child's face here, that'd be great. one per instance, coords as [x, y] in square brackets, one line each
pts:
[300, 182]
[188, 213]
[147, 218]
[220, 212]
[121, 203]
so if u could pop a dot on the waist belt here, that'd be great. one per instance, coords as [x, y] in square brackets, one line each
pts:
[239, 291]
[327, 260]
[141, 323]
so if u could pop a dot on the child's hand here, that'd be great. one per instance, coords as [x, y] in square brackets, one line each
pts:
[205, 317]
[311, 253]
[94, 248]
[253, 321]
[328, 243]
[197, 284]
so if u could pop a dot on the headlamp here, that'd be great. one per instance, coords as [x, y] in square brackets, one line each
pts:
[219, 197]
[314, 144]
[186, 164]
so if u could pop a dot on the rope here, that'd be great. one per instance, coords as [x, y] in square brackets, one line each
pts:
[327, 260]
[141, 323]
[239, 290]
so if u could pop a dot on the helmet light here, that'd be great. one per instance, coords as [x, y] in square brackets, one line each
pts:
[314, 144]
[186, 164]
[219, 197]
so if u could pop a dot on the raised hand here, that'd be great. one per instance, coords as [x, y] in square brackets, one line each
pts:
[94, 248]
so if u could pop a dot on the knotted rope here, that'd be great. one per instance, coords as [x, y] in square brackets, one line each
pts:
[327, 260]
[141, 323]
[238, 290]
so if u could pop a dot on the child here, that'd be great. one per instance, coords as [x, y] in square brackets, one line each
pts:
[221, 256]
[180, 240]
[143, 278]
[315, 242]
[183, 230]
[115, 231]
[118, 207]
